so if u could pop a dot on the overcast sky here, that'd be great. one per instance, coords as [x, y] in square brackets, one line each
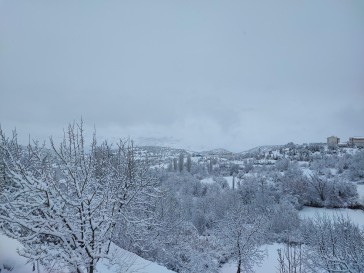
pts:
[198, 74]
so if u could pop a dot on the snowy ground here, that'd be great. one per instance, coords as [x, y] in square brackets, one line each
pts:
[361, 193]
[9, 256]
[229, 179]
[357, 216]
[131, 262]
[208, 180]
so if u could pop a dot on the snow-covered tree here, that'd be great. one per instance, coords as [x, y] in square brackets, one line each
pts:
[333, 244]
[283, 219]
[282, 164]
[184, 251]
[357, 166]
[180, 162]
[175, 164]
[333, 192]
[2, 172]
[242, 231]
[63, 203]
[318, 190]
[290, 258]
[188, 163]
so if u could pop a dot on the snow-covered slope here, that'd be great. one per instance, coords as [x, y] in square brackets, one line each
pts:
[124, 261]
[262, 149]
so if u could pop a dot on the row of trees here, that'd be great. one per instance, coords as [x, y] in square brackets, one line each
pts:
[180, 164]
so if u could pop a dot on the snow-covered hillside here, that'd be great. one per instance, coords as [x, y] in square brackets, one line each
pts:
[123, 261]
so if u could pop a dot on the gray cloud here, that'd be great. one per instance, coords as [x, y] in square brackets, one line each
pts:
[203, 74]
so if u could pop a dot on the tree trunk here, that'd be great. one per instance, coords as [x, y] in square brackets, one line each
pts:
[239, 259]
[92, 266]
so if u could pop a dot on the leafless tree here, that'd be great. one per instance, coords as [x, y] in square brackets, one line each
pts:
[334, 244]
[242, 231]
[63, 203]
[290, 258]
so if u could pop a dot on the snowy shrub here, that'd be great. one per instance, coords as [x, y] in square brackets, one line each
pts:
[333, 245]
[356, 169]
[323, 192]
[284, 219]
[282, 164]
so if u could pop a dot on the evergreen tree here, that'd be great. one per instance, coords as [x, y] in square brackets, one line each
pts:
[175, 164]
[189, 163]
[180, 162]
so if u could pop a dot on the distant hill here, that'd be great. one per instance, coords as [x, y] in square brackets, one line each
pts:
[219, 151]
[263, 149]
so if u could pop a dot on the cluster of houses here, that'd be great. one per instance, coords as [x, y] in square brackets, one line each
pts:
[353, 141]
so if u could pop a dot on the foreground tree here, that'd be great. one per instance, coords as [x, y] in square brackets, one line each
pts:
[63, 204]
[243, 231]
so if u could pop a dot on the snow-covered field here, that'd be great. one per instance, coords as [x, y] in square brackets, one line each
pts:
[357, 216]
[229, 179]
[131, 262]
[361, 193]
[208, 180]
[9, 256]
